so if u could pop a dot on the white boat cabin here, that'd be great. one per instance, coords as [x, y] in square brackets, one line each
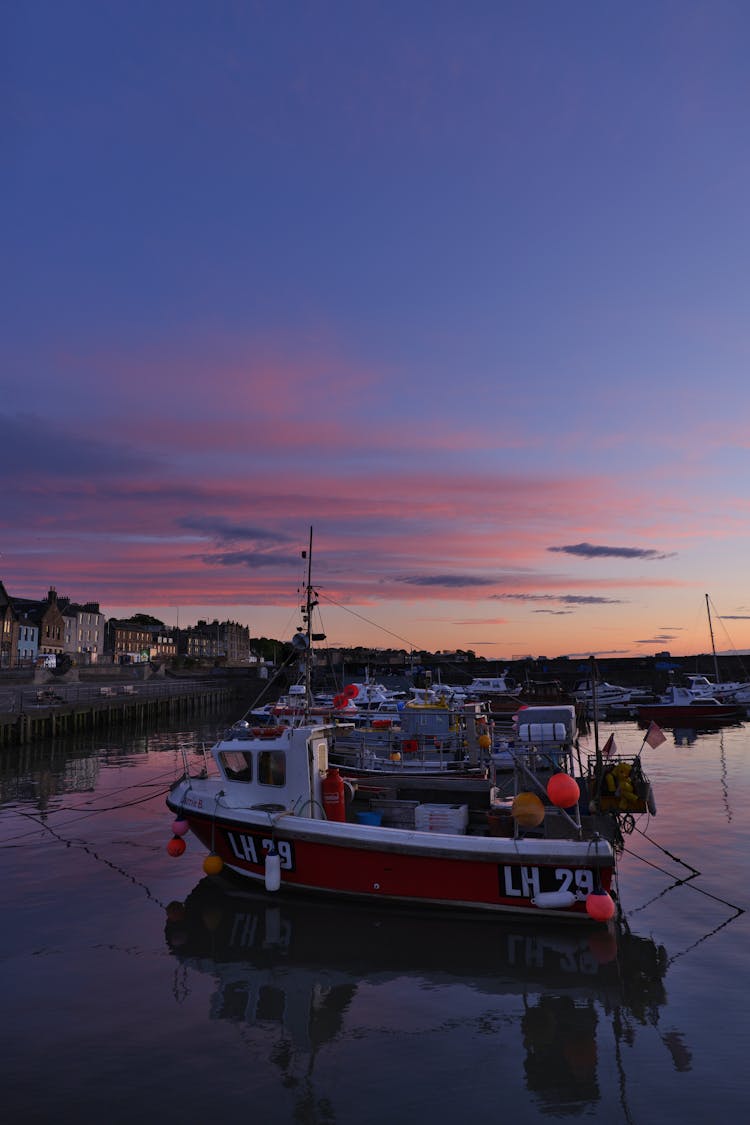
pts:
[274, 769]
[494, 685]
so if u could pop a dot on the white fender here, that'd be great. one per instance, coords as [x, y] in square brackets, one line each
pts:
[272, 868]
[555, 900]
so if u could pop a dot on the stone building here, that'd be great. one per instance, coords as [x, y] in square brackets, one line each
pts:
[84, 631]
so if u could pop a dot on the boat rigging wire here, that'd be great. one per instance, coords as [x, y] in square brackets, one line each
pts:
[737, 655]
[269, 684]
[347, 609]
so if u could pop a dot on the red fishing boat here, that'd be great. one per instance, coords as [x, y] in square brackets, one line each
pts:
[270, 806]
[681, 706]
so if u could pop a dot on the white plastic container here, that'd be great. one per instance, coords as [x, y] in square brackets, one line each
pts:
[441, 818]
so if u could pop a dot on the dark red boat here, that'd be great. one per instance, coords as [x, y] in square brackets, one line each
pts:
[681, 707]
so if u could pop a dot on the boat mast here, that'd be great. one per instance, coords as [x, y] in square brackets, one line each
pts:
[595, 711]
[308, 636]
[713, 646]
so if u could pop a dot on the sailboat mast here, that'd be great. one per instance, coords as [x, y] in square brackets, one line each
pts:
[595, 710]
[713, 646]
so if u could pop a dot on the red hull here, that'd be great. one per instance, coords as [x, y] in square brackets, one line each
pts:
[377, 873]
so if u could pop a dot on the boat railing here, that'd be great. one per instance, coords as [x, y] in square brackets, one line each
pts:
[370, 748]
[532, 766]
[535, 756]
[619, 785]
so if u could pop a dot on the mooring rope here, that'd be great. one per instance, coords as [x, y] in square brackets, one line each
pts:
[95, 855]
[687, 882]
[666, 852]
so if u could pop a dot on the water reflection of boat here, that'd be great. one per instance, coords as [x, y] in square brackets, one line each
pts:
[688, 735]
[293, 968]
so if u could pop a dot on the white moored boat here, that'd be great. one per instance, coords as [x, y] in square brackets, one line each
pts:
[490, 687]
[601, 694]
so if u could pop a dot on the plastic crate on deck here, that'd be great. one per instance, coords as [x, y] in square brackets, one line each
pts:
[394, 813]
[441, 818]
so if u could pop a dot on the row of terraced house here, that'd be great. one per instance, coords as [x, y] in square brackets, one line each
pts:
[55, 629]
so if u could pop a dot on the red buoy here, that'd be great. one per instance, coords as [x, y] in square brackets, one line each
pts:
[600, 906]
[563, 790]
[334, 801]
[176, 846]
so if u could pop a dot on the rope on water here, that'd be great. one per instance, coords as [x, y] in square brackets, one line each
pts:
[95, 855]
[687, 882]
[79, 814]
[676, 858]
[705, 937]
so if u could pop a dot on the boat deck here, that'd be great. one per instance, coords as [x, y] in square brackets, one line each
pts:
[474, 812]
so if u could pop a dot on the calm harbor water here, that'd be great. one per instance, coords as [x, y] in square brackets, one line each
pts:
[135, 987]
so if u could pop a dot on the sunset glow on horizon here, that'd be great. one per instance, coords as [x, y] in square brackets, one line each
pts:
[465, 290]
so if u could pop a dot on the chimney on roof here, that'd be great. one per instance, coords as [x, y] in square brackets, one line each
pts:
[52, 595]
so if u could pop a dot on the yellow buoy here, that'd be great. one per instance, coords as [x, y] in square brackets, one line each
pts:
[213, 864]
[527, 810]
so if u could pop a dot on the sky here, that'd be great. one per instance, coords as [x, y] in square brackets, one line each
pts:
[461, 286]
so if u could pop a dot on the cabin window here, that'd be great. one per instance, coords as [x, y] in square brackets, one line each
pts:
[272, 767]
[237, 765]
[321, 757]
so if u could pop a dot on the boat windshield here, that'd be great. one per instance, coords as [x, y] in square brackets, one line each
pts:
[272, 767]
[237, 765]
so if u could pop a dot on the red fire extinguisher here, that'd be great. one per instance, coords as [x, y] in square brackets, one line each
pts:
[333, 795]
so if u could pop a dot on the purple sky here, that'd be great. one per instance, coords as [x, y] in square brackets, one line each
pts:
[463, 286]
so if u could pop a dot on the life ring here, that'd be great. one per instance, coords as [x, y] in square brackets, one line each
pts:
[340, 701]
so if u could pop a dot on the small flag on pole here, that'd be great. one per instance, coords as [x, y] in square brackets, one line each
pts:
[609, 748]
[654, 735]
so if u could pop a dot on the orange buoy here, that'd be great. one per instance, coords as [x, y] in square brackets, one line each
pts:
[600, 906]
[213, 864]
[527, 810]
